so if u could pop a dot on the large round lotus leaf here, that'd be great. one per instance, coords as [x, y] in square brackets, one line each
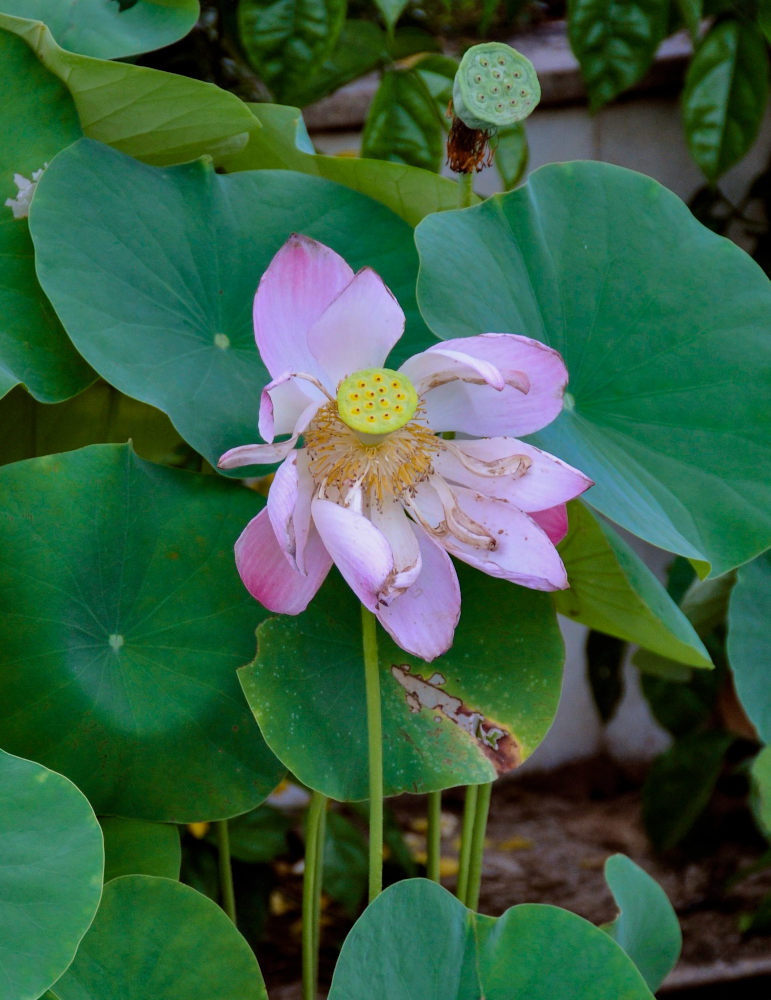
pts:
[124, 622]
[646, 927]
[416, 940]
[749, 642]
[157, 117]
[51, 862]
[467, 717]
[664, 329]
[110, 29]
[156, 938]
[37, 119]
[154, 275]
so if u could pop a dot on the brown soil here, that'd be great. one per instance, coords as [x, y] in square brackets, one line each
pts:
[547, 841]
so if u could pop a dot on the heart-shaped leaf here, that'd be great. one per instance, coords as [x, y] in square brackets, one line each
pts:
[474, 713]
[50, 875]
[156, 938]
[725, 96]
[162, 304]
[615, 41]
[107, 28]
[646, 928]
[124, 622]
[659, 322]
[402, 122]
[416, 940]
[37, 119]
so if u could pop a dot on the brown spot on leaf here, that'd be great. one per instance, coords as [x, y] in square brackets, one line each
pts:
[495, 742]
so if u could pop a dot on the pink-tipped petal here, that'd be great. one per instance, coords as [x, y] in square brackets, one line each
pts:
[517, 549]
[554, 522]
[544, 482]
[398, 529]
[422, 620]
[359, 550]
[283, 402]
[267, 573]
[301, 281]
[484, 412]
[256, 454]
[358, 329]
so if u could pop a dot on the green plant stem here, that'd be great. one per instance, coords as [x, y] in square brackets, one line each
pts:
[434, 835]
[465, 189]
[226, 872]
[466, 833]
[375, 746]
[478, 845]
[312, 876]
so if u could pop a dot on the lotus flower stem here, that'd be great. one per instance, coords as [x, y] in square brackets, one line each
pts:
[465, 189]
[375, 746]
[478, 845]
[434, 835]
[466, 834]
[225, 871]
[312, 879]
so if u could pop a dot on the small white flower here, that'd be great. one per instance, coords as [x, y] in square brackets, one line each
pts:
[26, 188]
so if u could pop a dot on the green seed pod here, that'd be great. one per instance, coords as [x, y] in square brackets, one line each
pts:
[495, 86]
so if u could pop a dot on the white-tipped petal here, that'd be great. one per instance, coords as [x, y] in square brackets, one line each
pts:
[397, 528]
[359, 550]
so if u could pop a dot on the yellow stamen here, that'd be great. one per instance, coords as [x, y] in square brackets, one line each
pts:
[384, 466]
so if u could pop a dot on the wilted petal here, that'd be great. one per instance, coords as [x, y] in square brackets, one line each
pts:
[554, 522]
[358, 329]
[256, 454]
[283, 402]
[518, 550]
[267, 573]
[422, 620]
[485, 412]
[301, 281]
[360, 551]
[540, 481]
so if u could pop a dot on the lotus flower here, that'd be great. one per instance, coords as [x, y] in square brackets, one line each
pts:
[376, 488]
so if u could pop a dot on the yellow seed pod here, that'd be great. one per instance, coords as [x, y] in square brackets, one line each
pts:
[376, 400]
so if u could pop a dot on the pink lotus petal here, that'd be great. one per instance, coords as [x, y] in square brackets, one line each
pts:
[422, 620]
[301, 281]
[358, 329]
[438, 365]
[523, 552]
[283, 402]
[392, 521]
[266, 571]
[554, 522]
[360, 551]
[546, 483]
[481, 410]
[256, 454]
